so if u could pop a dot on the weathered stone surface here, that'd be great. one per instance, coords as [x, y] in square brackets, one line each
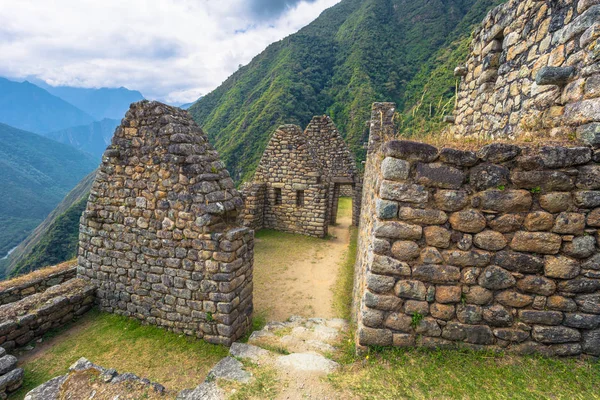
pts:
[428, 327]
[395, 169]
[555, 334]
[582, 321]
[388, 266]
[386, 209]
[403, 340]
[421, 216]
[538, 221]
[380, 283]
[431, 255]
[477, 334]
[537, 285]
[593, 218]
[507, 223]
[439, 175]
[436, 273]
[47, 391]
[519, 262]
[471, 221]
[414, 290]
[458, 157]
[447, 294]
[229, 369]
[399, 322]
[556, 202]
[569, 223]
[451, 200]
[561, 303]
[437, 236]
[543, 180]
[514, 299]
[374, 337]
[382, 302]
[248, 351]
[579, 285]
[561, 267]
[398, 230]
[442, 311]
[498, 152]
[410, 151]
[494, 277]
[589, 134]
[587, 198]
[469, 313]
[589, 177]
[7, 363]
[591, 342]
[475, 258]
[540, 317]
[310, 362]
[511, 335]
[580, 247]
[554, 75]
[503, 200]
[490, 240]
[536, 242]
[478, 295]
[582, 112]
[412, 307]
[407, 192]
[497, 315]
[562, 157]
[485, 176]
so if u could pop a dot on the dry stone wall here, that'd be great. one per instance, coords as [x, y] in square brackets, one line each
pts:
[36, 285]
[295, 193]
[158, 237]
[29, 318]
[490, 249]
[534, 68]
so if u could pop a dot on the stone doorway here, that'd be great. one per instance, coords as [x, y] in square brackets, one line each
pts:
[339, 189]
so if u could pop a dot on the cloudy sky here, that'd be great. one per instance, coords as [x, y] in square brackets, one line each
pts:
[171, 50]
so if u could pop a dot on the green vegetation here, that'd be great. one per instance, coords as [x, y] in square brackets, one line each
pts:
[57, 245]
[36, 175]
[112, 341]
[395, 373]
[355, 53]
[342, 300]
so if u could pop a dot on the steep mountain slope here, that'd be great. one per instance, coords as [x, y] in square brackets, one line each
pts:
[55, 239]
[36, 174]
[101, 103]
[29, 107]
[92, 138]
[355, 53]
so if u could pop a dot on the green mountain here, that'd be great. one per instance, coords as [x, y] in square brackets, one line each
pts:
[36, 174]
[29, 107]
[92, 138]
[55, 239]
[355, 53]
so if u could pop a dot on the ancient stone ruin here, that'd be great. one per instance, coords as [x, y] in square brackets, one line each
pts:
[298, 182]
[159, 237]
[533, 69]
[489, 249]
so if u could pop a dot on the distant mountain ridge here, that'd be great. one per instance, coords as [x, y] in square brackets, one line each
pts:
[37, 172]
[92, 138]
[31, 108]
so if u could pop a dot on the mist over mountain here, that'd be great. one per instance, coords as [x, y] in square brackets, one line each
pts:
[92, 138]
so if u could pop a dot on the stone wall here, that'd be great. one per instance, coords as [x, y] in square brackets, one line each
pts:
[31, 317]
[36, 285]
[159, 236]
[289, 168]
[490, 249]
[533, 69]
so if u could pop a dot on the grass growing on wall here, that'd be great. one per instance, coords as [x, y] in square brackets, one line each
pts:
[112, 341]
[395, 373]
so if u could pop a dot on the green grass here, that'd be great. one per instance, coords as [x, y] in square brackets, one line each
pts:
[395, 373]
[112, 341]
[342, 301]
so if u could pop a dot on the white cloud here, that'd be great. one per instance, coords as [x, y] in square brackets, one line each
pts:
[171, 50]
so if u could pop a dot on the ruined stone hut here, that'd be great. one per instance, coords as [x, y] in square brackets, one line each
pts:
[297, 184]
[158, 237]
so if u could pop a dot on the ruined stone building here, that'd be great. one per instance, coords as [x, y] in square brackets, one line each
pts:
[158, 237]
[297, 184]
[533, 68]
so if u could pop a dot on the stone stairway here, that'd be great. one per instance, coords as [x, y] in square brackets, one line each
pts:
[299, 350]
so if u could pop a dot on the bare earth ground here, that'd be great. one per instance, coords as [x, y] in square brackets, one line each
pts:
[295, 275]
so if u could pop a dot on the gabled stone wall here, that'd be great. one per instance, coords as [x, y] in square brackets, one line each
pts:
[533, 69]
[289, 168]
[490, 249]
[159, 237]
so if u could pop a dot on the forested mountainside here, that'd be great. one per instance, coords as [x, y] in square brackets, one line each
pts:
[355, 53]
[36, 174]
[92, 138]
[24, 105]
[55, 239]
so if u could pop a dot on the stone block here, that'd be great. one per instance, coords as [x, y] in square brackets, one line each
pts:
[414, 290]
[538, 221]
[458, 157]
[374, 337]
[451, 200]
[410, 151]
[561, 267]
[540, 317]
[470, 221]
[486, 175]
[498, 152]
[398, 230]
[439, 175]
[494, 278]
[405, 250]
[406, 192]
[536, 242]
[436, 273]
[554, 75]
[555, 334]
[395, 169]
[474, 258]
[537, 285]
[556, 202]
[422, 216]
[490, 240]
[580, 247]
[386, 209]
[543, 180]
[437, 236]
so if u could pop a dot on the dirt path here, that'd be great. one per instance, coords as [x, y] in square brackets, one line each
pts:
[296, 276]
